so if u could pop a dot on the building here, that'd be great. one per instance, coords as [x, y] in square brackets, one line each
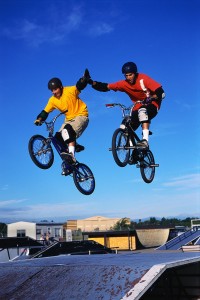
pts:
[129, 239]
[36, 231]
[118, 240]
[96, 223]
[21, 229]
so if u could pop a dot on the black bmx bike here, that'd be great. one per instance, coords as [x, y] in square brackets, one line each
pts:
[124, 146]
[41, 153]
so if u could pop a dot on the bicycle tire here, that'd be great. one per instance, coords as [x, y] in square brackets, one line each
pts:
[40, 152]
[120, 140]
[147, 169]
[84, 179]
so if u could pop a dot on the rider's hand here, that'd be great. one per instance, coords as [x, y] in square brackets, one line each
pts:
[84, 80]
[38, 122]
[87, 76]
[148, 100]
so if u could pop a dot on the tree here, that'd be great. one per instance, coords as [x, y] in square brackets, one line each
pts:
[3, 230]
[153, 221]
[122, 224]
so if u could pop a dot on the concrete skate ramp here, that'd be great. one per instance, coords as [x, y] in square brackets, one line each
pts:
[152, 237]
[85, 277]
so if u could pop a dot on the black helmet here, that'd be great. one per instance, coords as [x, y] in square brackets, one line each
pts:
[54, 83]
[129, 67]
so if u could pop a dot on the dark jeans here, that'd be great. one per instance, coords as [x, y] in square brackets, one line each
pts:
[151, 111]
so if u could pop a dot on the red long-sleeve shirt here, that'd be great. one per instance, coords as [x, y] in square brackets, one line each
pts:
[136, 91]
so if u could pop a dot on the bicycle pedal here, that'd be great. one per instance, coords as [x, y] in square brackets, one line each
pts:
[132, 161]
[68, 157]
[142, 148]
[64, 174]
[79, 148]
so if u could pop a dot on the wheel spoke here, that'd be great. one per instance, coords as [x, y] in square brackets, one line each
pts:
[147, 167]
[41, 152]
[84, 179]
[119, 147]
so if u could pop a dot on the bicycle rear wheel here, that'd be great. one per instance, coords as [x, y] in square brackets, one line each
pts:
[120, 141]
[147, 168]
[41, 152]
[84, 179]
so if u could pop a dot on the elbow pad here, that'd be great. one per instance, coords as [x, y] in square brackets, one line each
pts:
[81, 84]
[100, 86]
[160, 93]
[43, 115]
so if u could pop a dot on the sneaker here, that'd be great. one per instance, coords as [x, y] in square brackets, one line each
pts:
[66, 173]
[69, 157]
[132, 161]
[142, 144]
[79, 148]
[133, 158]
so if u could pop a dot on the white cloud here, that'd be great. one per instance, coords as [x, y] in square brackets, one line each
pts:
[185, 182]
[13, 209]
[74, 19]
[39, 31]
[36, 32]
[6, 203]
[4, 188]
[100, 29]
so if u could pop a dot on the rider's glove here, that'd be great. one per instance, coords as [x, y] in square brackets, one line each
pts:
[87, 76]
[81, 84]
[83, 81]
[148, 100]
[38, 122]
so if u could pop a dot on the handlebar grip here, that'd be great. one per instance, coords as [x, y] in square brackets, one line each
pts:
[38, 122]
[110, 105]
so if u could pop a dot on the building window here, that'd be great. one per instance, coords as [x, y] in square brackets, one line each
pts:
[21, 233]
[57, 232]
[39, 231]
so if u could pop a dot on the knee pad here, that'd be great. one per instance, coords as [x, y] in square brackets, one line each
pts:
[58, 136]
[68, 134]
[142, 115]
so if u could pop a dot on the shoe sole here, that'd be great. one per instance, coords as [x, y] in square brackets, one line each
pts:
[68, 158]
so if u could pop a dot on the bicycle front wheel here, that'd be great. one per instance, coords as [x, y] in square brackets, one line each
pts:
[147, 166]
[41, 152]
[121, 153]
[84, 179]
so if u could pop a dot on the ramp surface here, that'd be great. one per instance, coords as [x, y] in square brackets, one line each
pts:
[152, 237]
[181, 240]
[88, 277]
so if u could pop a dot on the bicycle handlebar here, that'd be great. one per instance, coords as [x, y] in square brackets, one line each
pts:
[110, 105]
[50, 125]
[125, 109]
[55, 118]
[63, 112]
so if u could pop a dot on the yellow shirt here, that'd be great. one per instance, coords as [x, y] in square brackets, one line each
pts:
[68, 101]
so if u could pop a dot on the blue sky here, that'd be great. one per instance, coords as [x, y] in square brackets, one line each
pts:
[43, 39]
